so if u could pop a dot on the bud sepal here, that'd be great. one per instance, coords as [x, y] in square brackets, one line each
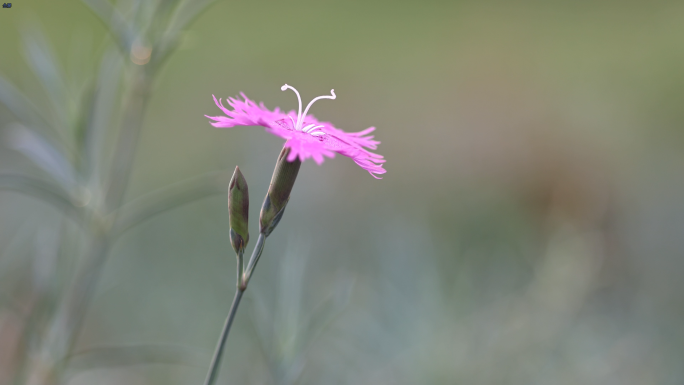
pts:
[282, 182]
[269, 217]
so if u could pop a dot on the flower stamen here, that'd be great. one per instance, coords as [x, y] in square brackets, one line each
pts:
[332, 92]
[315, 128]
[300, 116]
[307, 128]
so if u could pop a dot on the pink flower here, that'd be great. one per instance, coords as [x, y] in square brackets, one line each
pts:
[304, 134]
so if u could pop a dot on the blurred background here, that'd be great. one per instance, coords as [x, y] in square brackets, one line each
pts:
[528, 230]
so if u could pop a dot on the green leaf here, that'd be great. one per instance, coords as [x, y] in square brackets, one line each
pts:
[43, 155]
[123, 32]
[30, 115]
[139, 354]
[167, 198]
[184, 14]
[43, 190]
[44, 64]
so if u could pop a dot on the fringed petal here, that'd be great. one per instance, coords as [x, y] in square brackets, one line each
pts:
[326, 143]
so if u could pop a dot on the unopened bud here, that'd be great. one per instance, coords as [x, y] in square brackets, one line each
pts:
[238, 209]
[283, 180]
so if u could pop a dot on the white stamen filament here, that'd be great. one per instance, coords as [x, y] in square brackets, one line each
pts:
[307, 128]
[300, 117]
[332, 92]
[299, 98]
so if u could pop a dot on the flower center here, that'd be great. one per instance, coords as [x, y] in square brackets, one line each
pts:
[300, 117]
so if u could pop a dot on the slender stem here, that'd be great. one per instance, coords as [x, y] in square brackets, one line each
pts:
[125, 149]
[242, 280]
[256, 254]
[240, 267]
[216, 361]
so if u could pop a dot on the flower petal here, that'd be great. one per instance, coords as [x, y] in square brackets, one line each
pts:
[324, 141]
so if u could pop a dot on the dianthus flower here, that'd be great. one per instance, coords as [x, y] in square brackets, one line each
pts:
[305, 136]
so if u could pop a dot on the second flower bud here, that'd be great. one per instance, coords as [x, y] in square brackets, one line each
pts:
[238, 210]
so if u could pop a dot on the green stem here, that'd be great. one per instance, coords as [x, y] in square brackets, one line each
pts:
[125, 149]
[242, 281]
[216, 361]
[256, 254]
[240, 268]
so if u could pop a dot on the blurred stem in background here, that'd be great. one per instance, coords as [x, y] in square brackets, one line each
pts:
[93, 199]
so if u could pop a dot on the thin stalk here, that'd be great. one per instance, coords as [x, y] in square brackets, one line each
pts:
[216, 361]
[242, 280]
[125, 150]
[256, 254]
[240, 267]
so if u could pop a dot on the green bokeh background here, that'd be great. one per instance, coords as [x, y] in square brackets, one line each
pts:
[528, 229]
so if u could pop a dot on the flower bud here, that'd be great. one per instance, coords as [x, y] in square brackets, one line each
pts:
[238, 209]
[283, 180]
